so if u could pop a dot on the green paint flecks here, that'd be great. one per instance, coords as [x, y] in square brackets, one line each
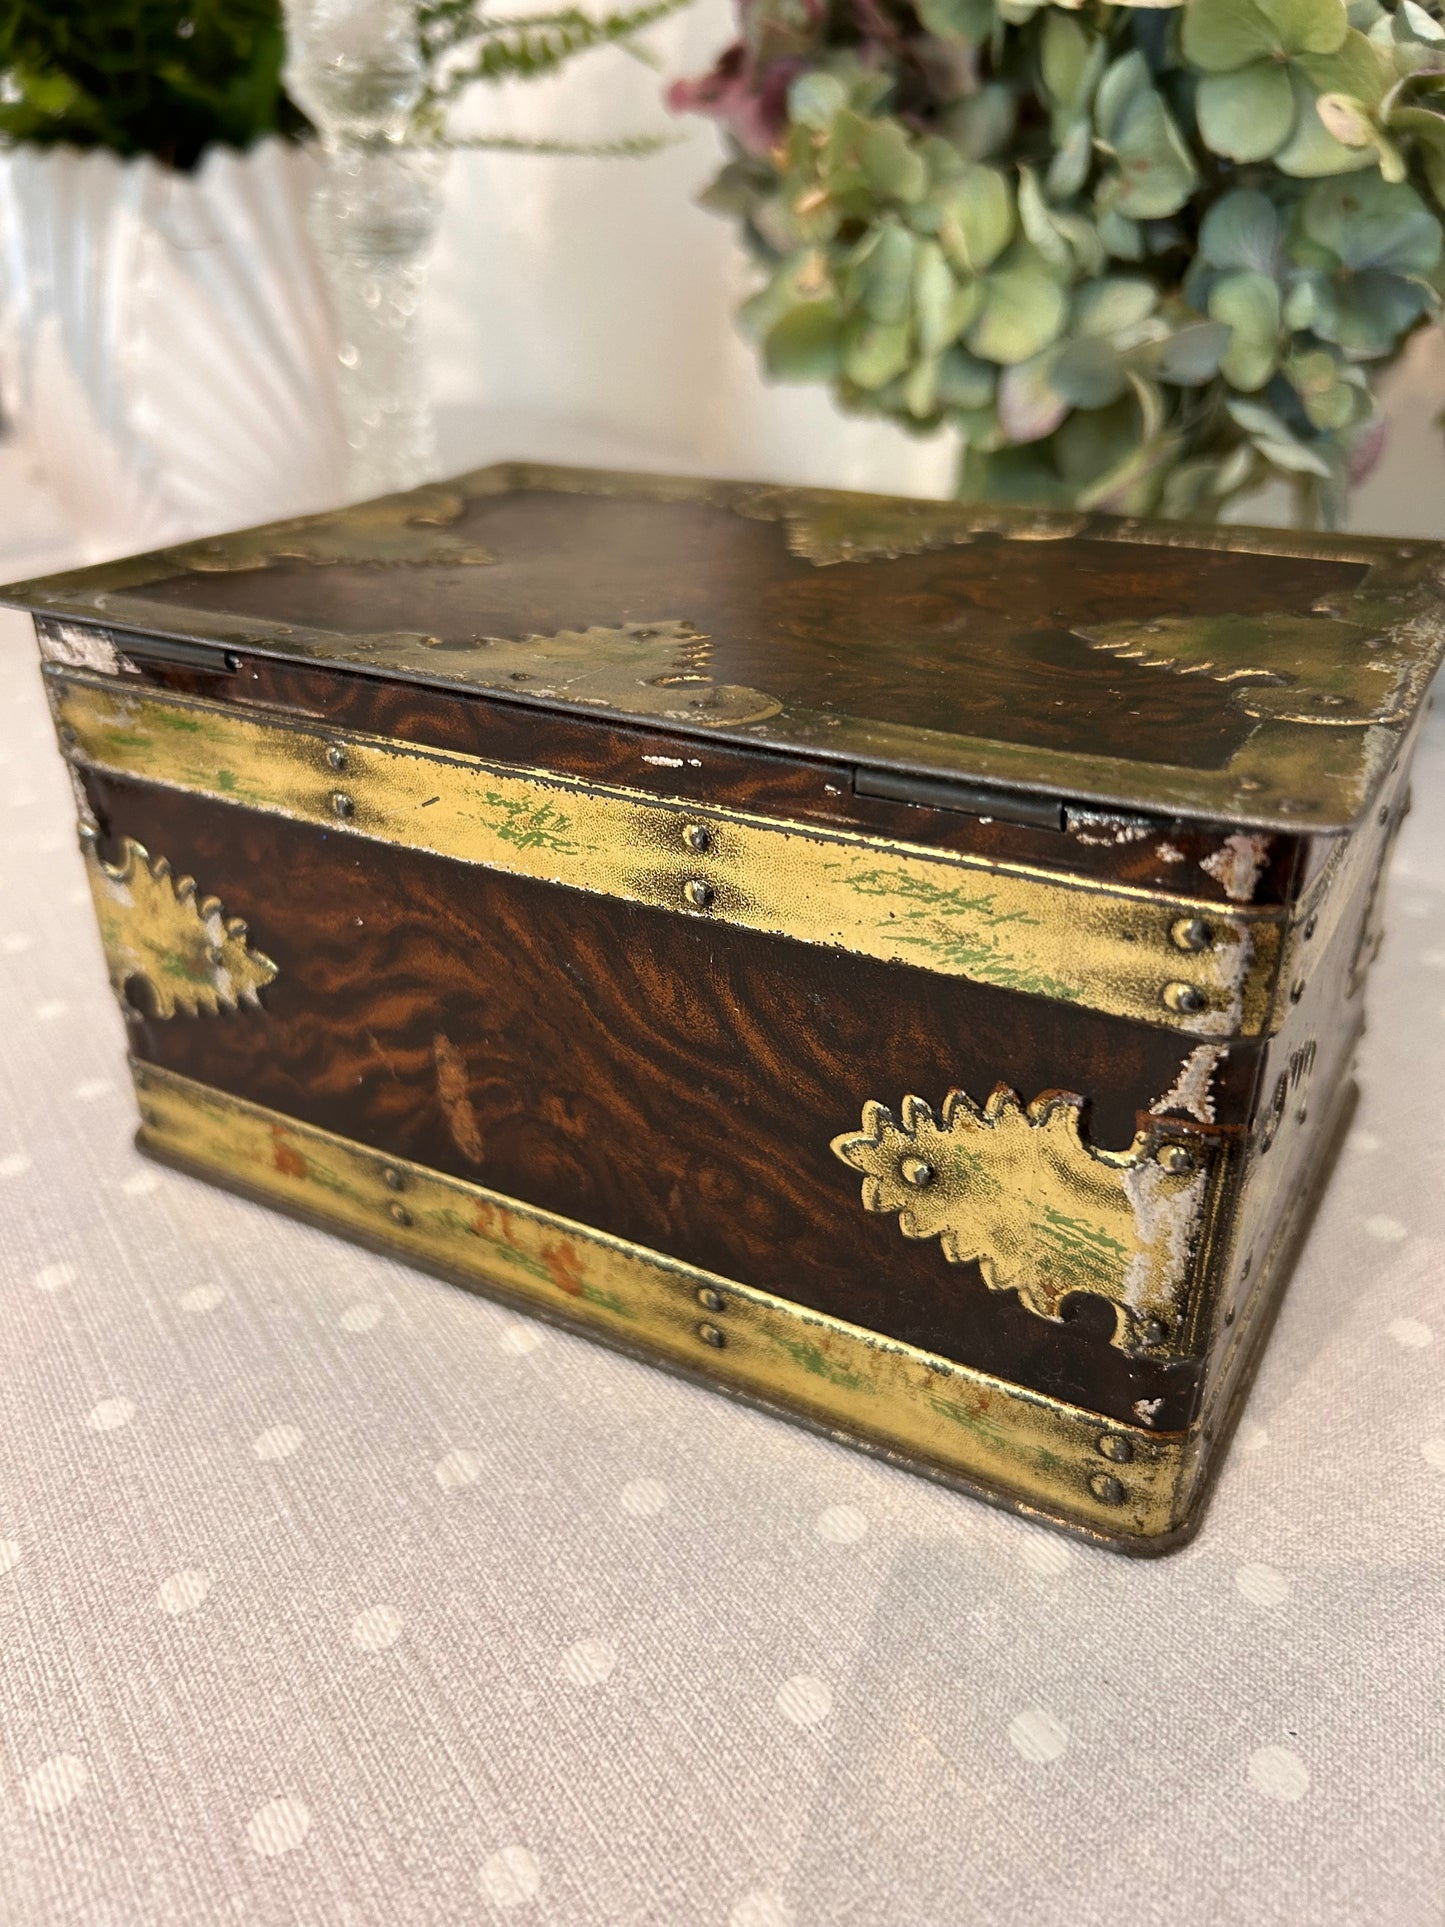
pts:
[953, 926]
[528, 826]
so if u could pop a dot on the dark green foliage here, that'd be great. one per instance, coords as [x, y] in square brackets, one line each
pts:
[144, 76]
[164, 78]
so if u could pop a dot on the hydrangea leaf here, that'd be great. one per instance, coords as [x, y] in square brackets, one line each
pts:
[1192, 355]
[1088, 373]
[1249, 304]
[1066, 56]
[1030, 407]
[1356, 67]
[1223, 35]
[935, 298]
[983, 123]
[1365, 314]
[965, 382]
[920, 388]
[1330, 401]
[1350, 122]
[1156, 174]
[816, 99]
[1370, 223]
[978, 220]
[1421, 25]
[1111, 306]
[881, 275]
[1071, 161]
[1312, 150]
[889, 162]
[1241, 231]
[1276, 442]
[970, 20]
[806, 344]
[1120, 236]
[876, 352]
[1024, 309]
[1246, 115]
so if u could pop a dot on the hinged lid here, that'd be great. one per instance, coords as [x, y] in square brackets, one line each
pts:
[1242, 675]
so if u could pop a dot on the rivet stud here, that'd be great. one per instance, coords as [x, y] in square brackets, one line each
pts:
[336, 756]
[1192, 933]
[1185, 998]
[697, 836]
[1177, 1158]
[916, 1171]
[1113, 1446]
[710, 1335]
[709, 1299]
[341, 804]
[1106, 1489]
[698, 893]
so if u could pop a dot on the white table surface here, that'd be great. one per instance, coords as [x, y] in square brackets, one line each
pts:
[330, 1595]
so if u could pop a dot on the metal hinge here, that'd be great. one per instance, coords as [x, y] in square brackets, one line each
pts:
[973, 799]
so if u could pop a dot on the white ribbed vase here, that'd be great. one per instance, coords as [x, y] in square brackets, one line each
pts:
[168, 351]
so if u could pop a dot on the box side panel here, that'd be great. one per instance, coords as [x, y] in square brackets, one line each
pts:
[1304, 1097]
[674, 1082]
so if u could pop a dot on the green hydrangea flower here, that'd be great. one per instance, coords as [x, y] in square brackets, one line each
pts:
[1138, 257]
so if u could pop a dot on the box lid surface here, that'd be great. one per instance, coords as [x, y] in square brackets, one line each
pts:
[1242, 675]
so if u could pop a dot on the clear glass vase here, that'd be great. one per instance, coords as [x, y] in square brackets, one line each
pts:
[355, 68]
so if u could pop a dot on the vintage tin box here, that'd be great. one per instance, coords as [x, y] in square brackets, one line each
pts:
[898, 961]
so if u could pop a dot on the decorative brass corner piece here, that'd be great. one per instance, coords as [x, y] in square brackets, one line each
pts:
[398, 528]
[1282, 668]
[646, 668]
[153, 926]
[1041, 1213]
[824, 527]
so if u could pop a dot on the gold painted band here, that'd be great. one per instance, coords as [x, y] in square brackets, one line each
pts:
[1120, 1483]
[1020, 928]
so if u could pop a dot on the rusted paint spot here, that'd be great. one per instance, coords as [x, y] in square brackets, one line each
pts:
[284, 1155]
[452, 1095]
[565, 1267]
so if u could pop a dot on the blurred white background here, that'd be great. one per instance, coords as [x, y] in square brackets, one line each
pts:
[583, 309]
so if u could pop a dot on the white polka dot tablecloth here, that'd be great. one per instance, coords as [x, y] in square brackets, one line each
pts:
[333, 1597]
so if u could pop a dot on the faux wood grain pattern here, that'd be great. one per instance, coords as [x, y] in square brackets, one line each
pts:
[973, 640]
[672, 1082]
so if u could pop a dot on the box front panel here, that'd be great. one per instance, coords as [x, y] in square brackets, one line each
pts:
[674, 1081]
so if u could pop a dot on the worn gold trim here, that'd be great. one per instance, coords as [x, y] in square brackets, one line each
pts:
[1041, 1212]
[1299, 768]
[1118, 1482]
[156, 930]
[1017, 927]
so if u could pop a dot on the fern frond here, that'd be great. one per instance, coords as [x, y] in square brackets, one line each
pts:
[527, 47]
[632, 147]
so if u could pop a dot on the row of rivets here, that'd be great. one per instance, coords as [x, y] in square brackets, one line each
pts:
[713, 1301]
[1192, 934]
[1119, 1450]
[395, 1181]
[698, 838]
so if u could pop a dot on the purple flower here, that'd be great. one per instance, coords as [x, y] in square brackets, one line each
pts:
[752, 107]
[747, 91]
